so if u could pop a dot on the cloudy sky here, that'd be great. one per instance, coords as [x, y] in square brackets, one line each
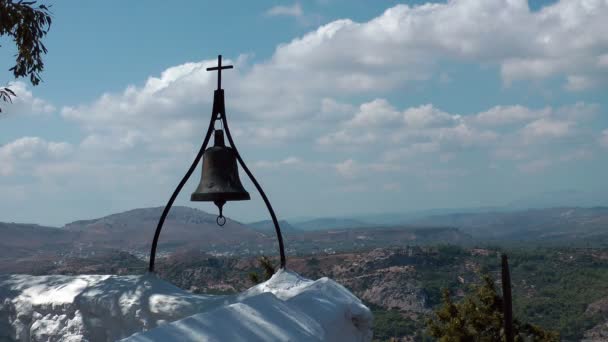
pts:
[339, 107]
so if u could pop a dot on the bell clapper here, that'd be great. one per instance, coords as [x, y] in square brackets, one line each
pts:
[221, 219]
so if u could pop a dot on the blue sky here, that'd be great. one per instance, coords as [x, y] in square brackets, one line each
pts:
[339, 107]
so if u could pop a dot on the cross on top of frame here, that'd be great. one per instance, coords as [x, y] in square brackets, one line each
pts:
[219, 69]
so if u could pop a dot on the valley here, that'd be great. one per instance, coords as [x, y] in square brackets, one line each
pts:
[558, 258]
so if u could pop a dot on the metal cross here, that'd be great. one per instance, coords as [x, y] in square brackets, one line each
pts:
[219, 68]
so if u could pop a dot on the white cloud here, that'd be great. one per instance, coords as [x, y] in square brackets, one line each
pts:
[25, 103]
[540, 139]
[278, 99]
[332, 110]
[414, 150]
[424, 128]
[406, 43]
[163, 98]
[289, 161]
[25, 153]
[376, 112]
[129, 140]
[465, 135]
[351, 169]
[344, 137]
[544, 122]
[427, 116]
[165, 115]
[34, 147]
[294, 10]
[504, 115]
[425, 135]
[546, 129]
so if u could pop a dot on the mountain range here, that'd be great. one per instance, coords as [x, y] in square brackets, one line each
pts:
[552, 224]
[192, 229]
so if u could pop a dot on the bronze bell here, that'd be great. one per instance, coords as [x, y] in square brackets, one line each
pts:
[220, 177]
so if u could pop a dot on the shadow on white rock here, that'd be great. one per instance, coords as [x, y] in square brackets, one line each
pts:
[287, 307]
[106, 308]
[91, 307]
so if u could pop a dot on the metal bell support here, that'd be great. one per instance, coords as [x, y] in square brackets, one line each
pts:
[216, 184]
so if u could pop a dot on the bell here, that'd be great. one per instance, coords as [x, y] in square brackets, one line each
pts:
[220, 177]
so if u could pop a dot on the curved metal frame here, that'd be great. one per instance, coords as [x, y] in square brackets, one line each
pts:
[218, 113]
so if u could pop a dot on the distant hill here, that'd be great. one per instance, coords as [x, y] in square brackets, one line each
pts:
[184, 228]
[552, 224]
[267, 226]
[330, 223]
[132, 230]
[25, 239]
[394, 218]
[563, 198]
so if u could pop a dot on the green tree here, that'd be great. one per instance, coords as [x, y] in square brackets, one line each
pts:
[478, 317]
[26, 23]
[266, 266]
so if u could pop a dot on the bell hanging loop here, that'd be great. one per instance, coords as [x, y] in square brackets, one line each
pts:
[221, 219]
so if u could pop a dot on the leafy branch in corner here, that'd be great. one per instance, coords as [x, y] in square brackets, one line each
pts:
[26, 23]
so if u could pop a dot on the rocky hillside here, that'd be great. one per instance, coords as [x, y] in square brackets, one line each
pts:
[560, 289]
[599, 332]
